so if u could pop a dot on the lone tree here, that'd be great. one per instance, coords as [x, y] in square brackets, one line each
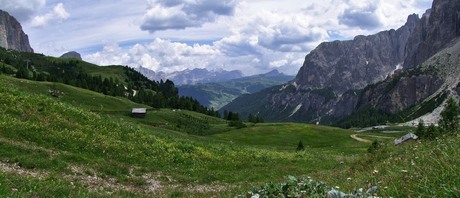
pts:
[300, 146]
[421, 130]
[449, 121]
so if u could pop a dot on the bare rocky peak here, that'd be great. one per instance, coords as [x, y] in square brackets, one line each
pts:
[71, 54]
[11, 34]
[344, 65]
[438, 28]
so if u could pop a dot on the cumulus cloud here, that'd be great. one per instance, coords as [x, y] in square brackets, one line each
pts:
[364, 17]
[22, 10]
[57, 14]
[181, 14]
[160, 55]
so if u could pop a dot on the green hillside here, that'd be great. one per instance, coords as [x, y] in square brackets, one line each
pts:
[217, 95]
[121, 81]
[60, 141]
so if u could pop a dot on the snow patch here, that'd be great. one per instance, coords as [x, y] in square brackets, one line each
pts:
[283, 87]
[398, 67]
[295, 85]
[295, 110]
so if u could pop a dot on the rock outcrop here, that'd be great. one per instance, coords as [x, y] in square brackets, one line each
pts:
[71, 54]
[11, 34]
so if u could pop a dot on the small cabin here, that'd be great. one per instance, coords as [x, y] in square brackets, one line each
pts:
[405, 138]
[139, 112]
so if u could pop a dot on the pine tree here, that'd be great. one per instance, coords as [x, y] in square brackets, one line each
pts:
[300, 146]
[449, 121]
[421, 130]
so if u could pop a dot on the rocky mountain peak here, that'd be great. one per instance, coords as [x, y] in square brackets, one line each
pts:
[353, 64]
[439, 26]
[11, 34]
[71, 54]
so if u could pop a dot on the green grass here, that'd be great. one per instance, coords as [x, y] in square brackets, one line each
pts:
[55, 143]
[286, 136]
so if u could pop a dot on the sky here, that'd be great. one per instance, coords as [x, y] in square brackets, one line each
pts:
[254, 36]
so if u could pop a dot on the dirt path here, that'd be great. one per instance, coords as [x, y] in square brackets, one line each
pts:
[355, 136]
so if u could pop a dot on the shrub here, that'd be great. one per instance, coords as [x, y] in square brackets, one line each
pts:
[237, 124]
[449, 121]
[376, 145]
[300, 146]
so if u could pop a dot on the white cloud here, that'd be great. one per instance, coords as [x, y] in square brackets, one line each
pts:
[363, 15]
[22, 10]
[57, 14]
[160, 55]
[181, 14]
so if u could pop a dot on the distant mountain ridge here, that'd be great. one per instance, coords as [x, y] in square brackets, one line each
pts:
[218, 94]
[11, 34]
[342, 78]
[192, 76]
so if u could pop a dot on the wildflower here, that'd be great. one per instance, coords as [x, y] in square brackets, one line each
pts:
[300, 184]
[375, 172]
[404, 171]
[349, 178]
[337, 187]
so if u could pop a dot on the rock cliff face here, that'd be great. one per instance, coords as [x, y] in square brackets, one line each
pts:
[345, 65]
[431, 62]
[437, 28]
[339, 78]
[325, 83]
[11, 34]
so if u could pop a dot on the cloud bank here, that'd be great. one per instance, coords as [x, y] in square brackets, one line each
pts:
[181, 14]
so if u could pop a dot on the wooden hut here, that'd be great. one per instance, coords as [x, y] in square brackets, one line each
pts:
[139, 112]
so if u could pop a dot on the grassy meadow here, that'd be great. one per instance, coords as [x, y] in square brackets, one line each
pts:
[85, 144]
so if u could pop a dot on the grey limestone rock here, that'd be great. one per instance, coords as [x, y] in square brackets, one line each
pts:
[11, 34]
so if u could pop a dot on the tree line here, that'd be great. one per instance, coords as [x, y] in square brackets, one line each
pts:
[449, 122]
[136, 87]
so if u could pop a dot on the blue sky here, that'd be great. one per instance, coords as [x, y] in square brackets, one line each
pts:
[254, 36]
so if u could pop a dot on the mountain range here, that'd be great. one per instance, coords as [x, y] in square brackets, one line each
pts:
[218, 94]
[394, 75]
[192, 76]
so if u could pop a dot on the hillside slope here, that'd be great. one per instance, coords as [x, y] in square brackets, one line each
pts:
[68, 143]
